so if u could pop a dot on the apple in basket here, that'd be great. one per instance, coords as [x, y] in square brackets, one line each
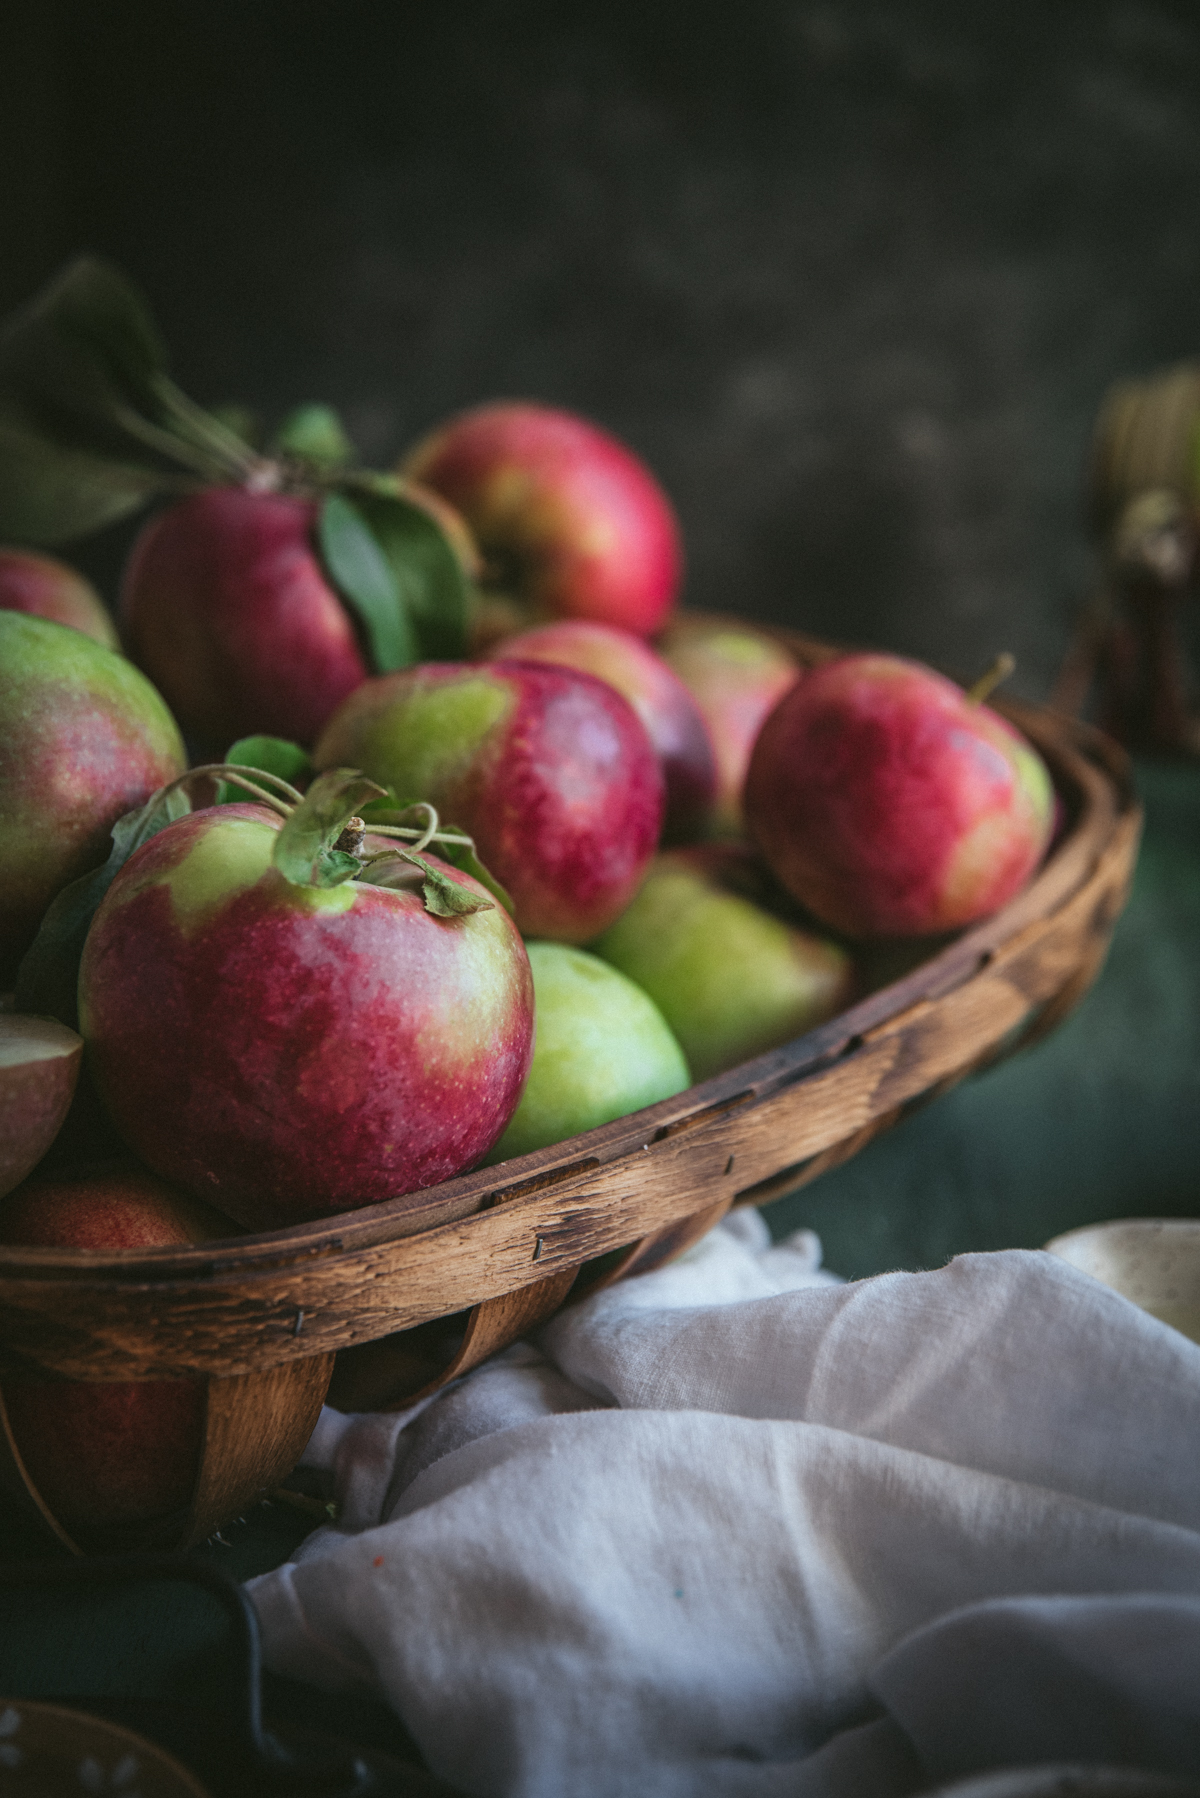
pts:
[48, 588]
[549, 769]
[289, 1028]
[39, 1070]
[226, 606]
[736, 675]
[569, 523]
[730, 977]
[83, 738]
[123, 1452]
[671, 716]
[892, 803]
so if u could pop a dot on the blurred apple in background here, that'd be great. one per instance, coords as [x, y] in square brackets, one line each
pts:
[731, 979]
[127, 1451]
[226, 606]
[662, 702]
[39, 1070]
[569, 523]
[601, 1050]
[549, 769]
[48, 588]
[84, 738]
[736, 675]
[891, 803]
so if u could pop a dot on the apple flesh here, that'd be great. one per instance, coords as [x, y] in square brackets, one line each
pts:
[84, 738]
[103, 1454]
[569, 523]
[48, 588]
[39, 1070]
[601, 1050]
[731, 979]
[291, 1051]
[225, 606]
[736, 675]
[891, 804]
[671, 716]
[548, 769]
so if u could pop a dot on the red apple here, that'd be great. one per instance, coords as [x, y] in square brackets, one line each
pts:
[662, 702]
[225, 605]
[125, 1452]
[570, 524]
[548, 768]
[39, 1070]
[891, 804]
[84, 738]
[290, 1051]
[736, 675]
[50, 589]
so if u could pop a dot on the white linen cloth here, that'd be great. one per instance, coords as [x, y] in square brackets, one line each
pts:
[736, 1529]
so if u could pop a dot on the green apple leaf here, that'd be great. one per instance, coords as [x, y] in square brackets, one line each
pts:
[270, 755]
[430, 577]
[366, 580]
[48, 977]
[465, 858]
[90, 423]
[444, 896]
[305, 851]
[315, 434]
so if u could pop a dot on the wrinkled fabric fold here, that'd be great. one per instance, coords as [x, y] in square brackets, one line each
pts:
[738, 1528]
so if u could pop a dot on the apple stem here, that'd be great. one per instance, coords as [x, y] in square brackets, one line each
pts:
[990, 679]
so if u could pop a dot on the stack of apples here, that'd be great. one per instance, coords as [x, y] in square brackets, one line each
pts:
[608, 851]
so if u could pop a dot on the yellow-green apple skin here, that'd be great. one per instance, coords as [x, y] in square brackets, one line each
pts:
[601, 1050]
[731, 979]
[48, 588]
[84, 738]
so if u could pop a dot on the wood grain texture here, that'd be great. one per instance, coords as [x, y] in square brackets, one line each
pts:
[256, 1426]
[765, 1127]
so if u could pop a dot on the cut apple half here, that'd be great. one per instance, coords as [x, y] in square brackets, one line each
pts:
[39, 1067]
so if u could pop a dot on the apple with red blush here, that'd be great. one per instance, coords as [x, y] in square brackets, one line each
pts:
[48, 588]
[671, 716]
[890, 802]
[736, 675]
[292, 1044]
[84, 738]
[569, 522]
[548, 768]
[225, 605]
[103, 1455]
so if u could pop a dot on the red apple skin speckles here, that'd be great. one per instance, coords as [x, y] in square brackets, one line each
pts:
[122, 1451]
[671, 716]
[569, 522]
[549, 769]
[225, 606]
[890, 804]
[286, 1052]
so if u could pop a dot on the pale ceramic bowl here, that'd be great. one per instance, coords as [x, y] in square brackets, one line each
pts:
[1155, 1261]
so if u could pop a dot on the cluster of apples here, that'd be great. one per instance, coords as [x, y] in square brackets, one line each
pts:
[460, 909]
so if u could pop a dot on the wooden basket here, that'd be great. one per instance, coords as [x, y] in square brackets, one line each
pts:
[409, 1293]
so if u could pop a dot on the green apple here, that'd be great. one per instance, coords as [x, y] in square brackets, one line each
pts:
[731, 979]
[601, 1049]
